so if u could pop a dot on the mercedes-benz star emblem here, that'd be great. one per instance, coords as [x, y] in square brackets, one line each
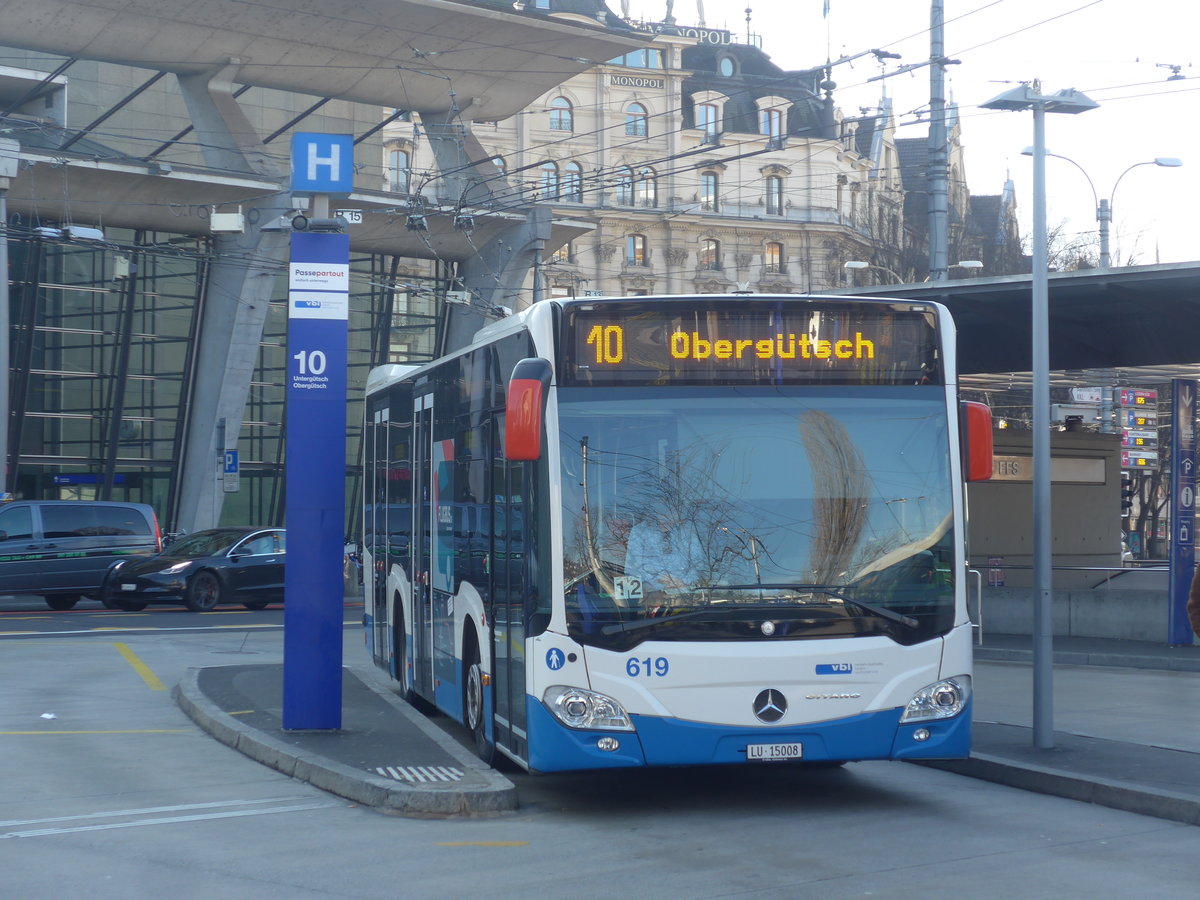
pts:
[770, 705]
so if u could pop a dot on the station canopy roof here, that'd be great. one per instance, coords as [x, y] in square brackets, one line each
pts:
[1141, 321]
[423, 55]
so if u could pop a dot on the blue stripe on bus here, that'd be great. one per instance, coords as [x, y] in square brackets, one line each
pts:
[673, 742]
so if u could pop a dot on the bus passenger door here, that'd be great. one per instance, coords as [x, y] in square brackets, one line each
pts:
[376, 532]
[423, 530]
[509, 582]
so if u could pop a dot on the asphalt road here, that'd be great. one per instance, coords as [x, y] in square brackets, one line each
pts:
[110, 791]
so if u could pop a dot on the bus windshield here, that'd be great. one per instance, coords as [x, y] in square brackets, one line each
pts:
[735, 513]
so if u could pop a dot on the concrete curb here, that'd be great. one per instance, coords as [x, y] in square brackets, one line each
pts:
[419, 801]
[1103, 792]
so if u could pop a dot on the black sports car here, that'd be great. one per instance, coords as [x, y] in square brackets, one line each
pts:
[220, 565]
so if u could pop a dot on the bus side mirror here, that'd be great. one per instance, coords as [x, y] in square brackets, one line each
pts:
[976, 419]
[525, 409]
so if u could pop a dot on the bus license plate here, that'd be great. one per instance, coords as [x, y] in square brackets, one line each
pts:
[773, 752]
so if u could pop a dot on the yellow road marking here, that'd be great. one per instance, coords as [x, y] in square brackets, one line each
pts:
[112, 731]
[140, 667]
[482, 843]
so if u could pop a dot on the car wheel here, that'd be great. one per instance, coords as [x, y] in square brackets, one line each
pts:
[104, 594]
[203, 592]
[256, 604]
[65, 601]
[473, 706]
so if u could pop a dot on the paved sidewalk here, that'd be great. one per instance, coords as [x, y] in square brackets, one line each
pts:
[386, 755]
[1127, 720]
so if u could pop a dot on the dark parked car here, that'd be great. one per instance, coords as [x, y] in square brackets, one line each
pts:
[62, 549]
[220, 565]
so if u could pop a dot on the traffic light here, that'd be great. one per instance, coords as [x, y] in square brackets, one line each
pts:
[1126, 497]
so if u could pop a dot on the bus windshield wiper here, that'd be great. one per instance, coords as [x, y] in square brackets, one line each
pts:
[837, 591]
[716, 608]
[771, 610]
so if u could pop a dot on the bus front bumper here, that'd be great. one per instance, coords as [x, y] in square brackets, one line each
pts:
[659, 741]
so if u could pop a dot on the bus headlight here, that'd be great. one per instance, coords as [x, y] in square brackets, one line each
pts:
[578, 708]
[942, 700]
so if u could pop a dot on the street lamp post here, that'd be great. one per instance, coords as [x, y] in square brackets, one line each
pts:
[1104, 205]
[1030, 97]
[1103, 208]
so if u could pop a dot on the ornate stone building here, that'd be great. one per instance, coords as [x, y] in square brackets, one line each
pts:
[701, 166]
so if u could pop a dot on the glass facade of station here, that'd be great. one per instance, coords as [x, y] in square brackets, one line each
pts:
[103, 356]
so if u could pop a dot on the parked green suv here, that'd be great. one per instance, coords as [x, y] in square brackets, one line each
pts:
[62, 549]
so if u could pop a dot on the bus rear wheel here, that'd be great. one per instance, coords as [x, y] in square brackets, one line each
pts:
[400, 653]
[473, 705]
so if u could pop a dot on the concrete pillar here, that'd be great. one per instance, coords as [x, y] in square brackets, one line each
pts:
[240, 284]
[498, 273]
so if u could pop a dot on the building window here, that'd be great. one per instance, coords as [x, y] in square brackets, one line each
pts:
[564, 254]
[399, 171]
[635, 250]
[501, 166]
[707, 115]
[625, 186]
[647, 187]
[636, 120]
[709, 191]
[572, 183]
[774, 195]
[710, 255]
[770, 122]
[561, 116]
[650, 58]
[773, 258]
[548, 181]
[726, 67]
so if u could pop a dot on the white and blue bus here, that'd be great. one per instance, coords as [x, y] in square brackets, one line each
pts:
[659, 531]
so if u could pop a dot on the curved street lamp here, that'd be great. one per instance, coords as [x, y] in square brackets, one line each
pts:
[1104, 205]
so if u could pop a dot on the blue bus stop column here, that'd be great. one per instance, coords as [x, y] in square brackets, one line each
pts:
[1183, 508]
[318, 305]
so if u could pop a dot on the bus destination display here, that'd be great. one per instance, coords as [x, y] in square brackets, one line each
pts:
[742, 342]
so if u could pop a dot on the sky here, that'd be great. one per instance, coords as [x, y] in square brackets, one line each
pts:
[1118, 52]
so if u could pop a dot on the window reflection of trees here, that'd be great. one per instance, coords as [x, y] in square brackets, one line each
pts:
[768, 502]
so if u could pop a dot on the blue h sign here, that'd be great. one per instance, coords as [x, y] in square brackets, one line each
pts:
[322, 163]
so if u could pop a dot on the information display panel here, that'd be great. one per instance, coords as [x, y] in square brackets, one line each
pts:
[746, 340]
